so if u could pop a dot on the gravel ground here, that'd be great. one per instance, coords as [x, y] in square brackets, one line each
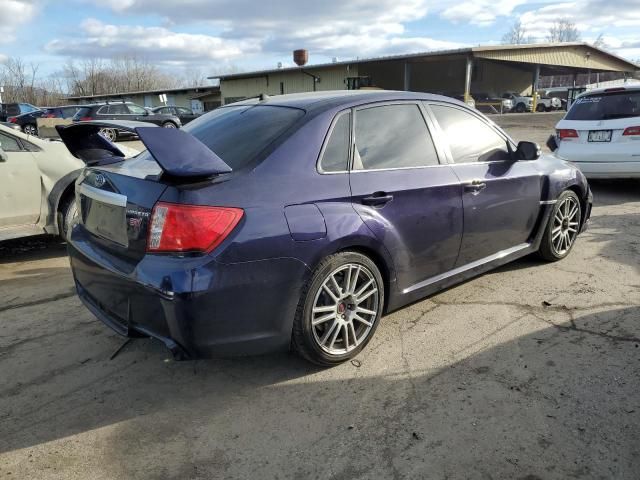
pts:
[529, 372]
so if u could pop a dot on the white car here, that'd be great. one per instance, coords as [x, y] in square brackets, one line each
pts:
[522, 103]
[601, 133]
[37, 180]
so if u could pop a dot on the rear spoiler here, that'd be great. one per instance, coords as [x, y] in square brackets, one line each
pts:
[178, 153]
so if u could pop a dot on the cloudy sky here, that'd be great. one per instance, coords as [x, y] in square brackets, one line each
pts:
[221, 35]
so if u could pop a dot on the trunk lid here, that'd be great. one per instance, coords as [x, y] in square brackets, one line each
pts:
[115, 204]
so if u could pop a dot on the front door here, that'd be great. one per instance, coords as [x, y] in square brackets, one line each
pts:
[501, 197]
[410, 201]
[20, 193]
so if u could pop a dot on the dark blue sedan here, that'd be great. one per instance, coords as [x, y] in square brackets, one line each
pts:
[299, 220]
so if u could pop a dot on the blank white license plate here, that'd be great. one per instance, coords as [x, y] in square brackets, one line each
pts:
[600, 136]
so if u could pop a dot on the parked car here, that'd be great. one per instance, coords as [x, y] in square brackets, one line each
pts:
[184, 114]
[524, 103]
[37, 178]
[491, 104]
[28, 122]
[300, 219]
[64, 111]
[14, 109]
[123, 111]
[601, 133]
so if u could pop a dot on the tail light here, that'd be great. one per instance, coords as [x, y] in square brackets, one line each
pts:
[190, 228]
[12, 120]
[631, 131]
[85, 119]
[567, 133]
[49, 115]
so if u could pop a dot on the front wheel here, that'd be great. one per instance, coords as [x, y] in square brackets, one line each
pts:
[69, 214]
[521, 108]
[169, 125]
[562, 229]
[110, 134]
[339, 309]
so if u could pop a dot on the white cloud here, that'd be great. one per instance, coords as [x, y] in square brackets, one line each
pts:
[13, 15]
[480, 12]
[97, 39]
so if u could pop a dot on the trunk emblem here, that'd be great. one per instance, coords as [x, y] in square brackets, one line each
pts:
[99, 180]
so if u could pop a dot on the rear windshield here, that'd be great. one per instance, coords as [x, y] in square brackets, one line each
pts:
[239, 134]
[606, 106]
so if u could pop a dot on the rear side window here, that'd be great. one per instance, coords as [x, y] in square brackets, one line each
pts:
[239, 134]
[335, 157]
[69, 112]
[392, 136]
[606, 106]
[118, 109]
[470, 139]
[82, 112]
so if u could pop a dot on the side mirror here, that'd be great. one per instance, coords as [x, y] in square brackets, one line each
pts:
[528, 151]
[552, 143]
[3, 155]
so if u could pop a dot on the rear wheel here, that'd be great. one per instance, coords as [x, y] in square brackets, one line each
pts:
[521, 108]
[541, 108]
[110, 134]
[69, 212]
[169, 125]
[339, 309]
[30, 129]
[562, 228]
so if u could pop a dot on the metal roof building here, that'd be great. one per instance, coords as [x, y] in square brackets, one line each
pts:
[199, 99]
[488, 69]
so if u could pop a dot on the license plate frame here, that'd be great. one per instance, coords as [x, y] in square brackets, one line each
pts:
[104, 214]
[600, 136]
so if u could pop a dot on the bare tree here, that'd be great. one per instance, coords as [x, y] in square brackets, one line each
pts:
[516, 35]
[563, 30]
[599, 42]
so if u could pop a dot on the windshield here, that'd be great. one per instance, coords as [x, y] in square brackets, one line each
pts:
[606, 106]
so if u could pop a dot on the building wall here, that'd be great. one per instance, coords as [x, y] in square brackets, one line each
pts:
[497, 78]
[331, 78]
[438, 76]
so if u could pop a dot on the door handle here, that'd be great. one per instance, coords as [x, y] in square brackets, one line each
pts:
[378, 199]
[475, 186]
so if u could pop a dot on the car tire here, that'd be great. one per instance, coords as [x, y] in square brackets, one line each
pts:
[169, 125]
[30, 129]
[110, 134]
[521, 108]
[562, 228]
[69, 212]
[541, 108]
[339, 309]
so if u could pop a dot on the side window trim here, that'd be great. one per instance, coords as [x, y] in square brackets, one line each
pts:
[445, 142]
[328, 137]
[435, 136]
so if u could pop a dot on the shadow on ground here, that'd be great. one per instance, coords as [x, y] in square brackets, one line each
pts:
[560, 402]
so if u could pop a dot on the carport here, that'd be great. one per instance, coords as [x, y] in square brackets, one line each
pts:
[461, 72]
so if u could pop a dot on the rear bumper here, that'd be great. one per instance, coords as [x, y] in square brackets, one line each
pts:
[605, 160]
[197, 307]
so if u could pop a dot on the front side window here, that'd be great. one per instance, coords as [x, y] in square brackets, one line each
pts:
[470, 139]
[335, 157]
[392, 136]
[9, 144]
[184, 111]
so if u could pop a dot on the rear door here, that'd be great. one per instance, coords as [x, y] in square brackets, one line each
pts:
[409, 200]
[20, 190]
[501, 197]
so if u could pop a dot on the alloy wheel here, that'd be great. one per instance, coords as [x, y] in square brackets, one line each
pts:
[108, 133]
[565, 225]
[29, 129]
[345, 309]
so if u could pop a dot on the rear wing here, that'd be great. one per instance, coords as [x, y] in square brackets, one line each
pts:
[178, 153]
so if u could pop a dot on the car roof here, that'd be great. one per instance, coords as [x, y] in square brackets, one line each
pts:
[622, 88]
[320, 101]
